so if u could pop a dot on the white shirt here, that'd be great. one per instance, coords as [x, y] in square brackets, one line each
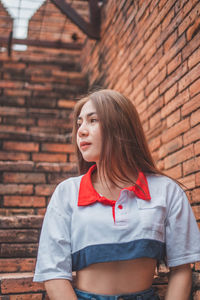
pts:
[151, 219]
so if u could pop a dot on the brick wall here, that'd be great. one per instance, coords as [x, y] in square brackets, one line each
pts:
[150, 51]
[5, 22]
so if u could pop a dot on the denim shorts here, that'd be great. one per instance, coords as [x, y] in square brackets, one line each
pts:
[143, 295]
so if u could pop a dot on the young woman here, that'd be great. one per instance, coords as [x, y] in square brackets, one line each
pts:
[113, 224]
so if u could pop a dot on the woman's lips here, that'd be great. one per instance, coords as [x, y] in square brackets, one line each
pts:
[84, 145]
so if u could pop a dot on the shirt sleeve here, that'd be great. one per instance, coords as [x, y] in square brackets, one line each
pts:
[182, 232]
[54, 252]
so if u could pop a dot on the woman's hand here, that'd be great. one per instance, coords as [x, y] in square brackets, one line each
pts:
[180, 283]
[58, 289]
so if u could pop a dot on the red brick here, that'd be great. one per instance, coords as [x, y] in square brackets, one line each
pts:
[16, 166]
[19, 92]
[175, 172]
[190, 47]
[73, 158]
[44, 189]
[191, 166]
[12, 128]
[155, 143]
[19, 250]
[170, 147]
[11, 189]
[191, 135]
[14, 156]
[12, 111]
[192, 29]
[171, 93]
[153, 73]
[21, 146]
[194, 88]
[69, 148]
[174, 63]
[9, 177]
[195, 194]
[19, 235]
[167, 19]
[57, 167]
[188, 181]
[14, 65]
[176, 130]
[196, 210]
[60, 123]
[155, 120]
[45, 157]
[197, 148]
[189, 18]
[156, 81]
[176, 103]
[14, 211]
[63, 103]
[190, 106]
[178, 157]
[197, 178]
[194, 58]
[38, 87]
[153, 96]
[174, 77]
[26, 297]
[24, 201]
[173, 118]
[11, 84]
[170, 41]
[17, 265]
[191, 76]
[19, 283]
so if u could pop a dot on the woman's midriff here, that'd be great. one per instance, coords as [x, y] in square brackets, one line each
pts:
[119, 277]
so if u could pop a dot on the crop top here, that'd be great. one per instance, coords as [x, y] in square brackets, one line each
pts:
[151, 219]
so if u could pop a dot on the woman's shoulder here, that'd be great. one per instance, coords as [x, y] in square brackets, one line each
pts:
[65, 194]
[162, 185]
[69, 183]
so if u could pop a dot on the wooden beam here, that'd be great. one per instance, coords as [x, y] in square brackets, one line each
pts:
[87, 28]
[41, 43]
[95, 14]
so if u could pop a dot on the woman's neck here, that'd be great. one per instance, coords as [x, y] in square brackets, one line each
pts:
[104, 186]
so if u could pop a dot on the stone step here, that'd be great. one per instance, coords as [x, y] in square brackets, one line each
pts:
[16, 265]
[26, 186]
[36, 74]
[19, 236]
[42, 89]
[67, 61]
[26, 119]
[15, 286]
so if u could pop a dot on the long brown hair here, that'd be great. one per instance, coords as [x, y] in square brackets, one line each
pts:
[124, 150]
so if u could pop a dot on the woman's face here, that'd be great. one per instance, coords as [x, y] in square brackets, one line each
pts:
[89, 139]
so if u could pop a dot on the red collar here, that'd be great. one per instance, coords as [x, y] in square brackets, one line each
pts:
[88, 195]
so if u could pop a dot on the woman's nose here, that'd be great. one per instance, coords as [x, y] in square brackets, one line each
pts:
[83, 131]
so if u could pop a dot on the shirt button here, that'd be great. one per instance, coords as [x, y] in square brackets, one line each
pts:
[120, 206]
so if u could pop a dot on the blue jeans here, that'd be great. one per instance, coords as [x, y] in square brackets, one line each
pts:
[143, 295]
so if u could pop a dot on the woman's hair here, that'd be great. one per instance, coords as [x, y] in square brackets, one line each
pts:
[124, 147]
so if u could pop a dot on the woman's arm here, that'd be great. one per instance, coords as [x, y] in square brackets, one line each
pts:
[180, 283]
[58, 289]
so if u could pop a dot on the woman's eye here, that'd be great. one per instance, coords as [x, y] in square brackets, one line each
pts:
[93, 120]
[78, 125]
